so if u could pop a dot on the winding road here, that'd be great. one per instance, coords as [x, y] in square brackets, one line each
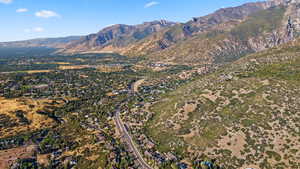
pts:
[124, 132]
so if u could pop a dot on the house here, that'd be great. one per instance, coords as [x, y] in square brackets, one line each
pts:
[170, 156]
[147, 154]
[149, 144]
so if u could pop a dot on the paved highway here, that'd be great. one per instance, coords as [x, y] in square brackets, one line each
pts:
[125, 134]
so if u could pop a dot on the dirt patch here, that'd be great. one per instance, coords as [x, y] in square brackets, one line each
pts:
[265, 82]
[182, 115]
[244, 91]
[93, 157]
[62, 63]
[210, 95]
[80, 59]
[74, 67]
[8, 157]
[235, 143]
[80, 150]
[108, 69]
[137, 84]
[193, 133]
[250, 166]
[188, 108]
[43, 159]
[38, 71]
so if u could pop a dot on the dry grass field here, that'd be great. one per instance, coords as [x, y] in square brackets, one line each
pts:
[108, 69]
[38, 71]
[73, 67]
[20, 115]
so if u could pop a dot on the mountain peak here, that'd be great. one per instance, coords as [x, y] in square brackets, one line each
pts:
[161, 22]
[283, 2]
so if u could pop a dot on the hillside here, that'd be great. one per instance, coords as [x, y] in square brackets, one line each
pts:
[149, 37]
[41, 42]
[231, 40]
[266, 25]
[245, 115]
[194, 27]
[223, 36]
[112, 38]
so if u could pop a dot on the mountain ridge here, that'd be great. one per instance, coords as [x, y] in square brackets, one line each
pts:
[118, 35]
[185, 30]
[239, 104]
[58, 42]
[179, 42]
[222, 36]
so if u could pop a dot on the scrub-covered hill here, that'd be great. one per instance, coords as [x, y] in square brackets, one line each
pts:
[244, 115]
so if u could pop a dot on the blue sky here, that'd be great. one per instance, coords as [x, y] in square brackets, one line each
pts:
[26, 19]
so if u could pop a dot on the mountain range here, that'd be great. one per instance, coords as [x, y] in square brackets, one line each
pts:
[223, 36]
[42, 42]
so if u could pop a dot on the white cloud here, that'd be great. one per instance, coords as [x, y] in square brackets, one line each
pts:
[21, 10]
[46, 14]
[36, 29]
[150, 4]
[6, 1]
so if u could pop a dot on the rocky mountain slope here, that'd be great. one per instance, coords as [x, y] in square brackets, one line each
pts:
[268, 24]
[135, 40]
[117, 36]
[231, 40]
[222, 36]
[242, 116]
[181, 32]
